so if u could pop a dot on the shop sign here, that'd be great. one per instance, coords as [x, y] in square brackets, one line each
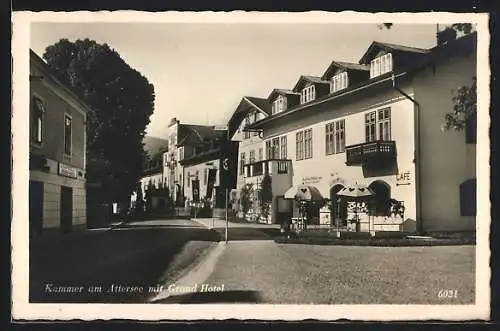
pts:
[67, 171]
[311, 180]
[403, 178]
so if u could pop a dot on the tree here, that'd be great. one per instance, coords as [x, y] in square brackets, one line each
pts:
[464, 106]
[246, 197]
[122, 101]
[266, 195]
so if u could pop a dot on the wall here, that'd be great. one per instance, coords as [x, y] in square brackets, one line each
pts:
[446, 159]
[57, 103]
[52, 183]
[188, 189]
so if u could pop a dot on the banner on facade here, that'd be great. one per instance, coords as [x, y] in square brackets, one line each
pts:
[211, 182]
[196, 190]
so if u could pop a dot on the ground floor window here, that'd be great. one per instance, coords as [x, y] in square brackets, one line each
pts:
[468, 198]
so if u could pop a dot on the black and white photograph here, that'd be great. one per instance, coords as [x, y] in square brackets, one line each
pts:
[250, 165]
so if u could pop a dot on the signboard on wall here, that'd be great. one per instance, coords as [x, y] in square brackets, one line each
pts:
[403, 178]
[67, 171]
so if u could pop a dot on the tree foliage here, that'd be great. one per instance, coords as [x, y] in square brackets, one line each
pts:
[122, 100]
[246, 197]
[464, 105]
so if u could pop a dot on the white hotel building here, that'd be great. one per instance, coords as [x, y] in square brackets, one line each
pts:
[378, 123]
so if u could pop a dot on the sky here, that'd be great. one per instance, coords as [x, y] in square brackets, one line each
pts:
[200, 71]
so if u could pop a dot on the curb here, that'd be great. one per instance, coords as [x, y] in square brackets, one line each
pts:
[195, 276]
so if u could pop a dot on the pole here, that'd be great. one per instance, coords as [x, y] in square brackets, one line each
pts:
[227, 220]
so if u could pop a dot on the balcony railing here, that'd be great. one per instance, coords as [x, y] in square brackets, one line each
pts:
[376, 151]
[273, 166]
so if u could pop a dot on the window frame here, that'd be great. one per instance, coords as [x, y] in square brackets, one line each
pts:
[335, 131]
[308, 94]
[382, 64]
[68, 116]
[339, 81]
[283, 148]
[38, 117]
[279, 105]
[373, 119]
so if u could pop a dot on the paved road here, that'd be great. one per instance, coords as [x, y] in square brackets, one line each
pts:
[135, 254]
[262, 271]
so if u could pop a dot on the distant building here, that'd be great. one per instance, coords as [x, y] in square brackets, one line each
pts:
[57, 194]
[209, 165]
[376, 123]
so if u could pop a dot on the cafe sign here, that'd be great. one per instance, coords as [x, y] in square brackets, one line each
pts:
[67, 171]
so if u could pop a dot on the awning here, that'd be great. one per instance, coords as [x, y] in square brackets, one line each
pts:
[304, 193]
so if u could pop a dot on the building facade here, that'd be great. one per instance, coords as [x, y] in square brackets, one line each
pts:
[255, 161]
[57, 194]
[377, 124]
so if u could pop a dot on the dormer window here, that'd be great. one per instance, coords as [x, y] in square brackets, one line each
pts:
[339, 82]
[308, 93]
[381, 65]
[279, 105]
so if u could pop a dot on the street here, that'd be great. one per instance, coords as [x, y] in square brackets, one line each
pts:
[142, 260]
[139, 254]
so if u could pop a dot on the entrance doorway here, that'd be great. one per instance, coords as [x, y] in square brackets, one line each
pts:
[66, 210]
[35, 207]
[338, 214]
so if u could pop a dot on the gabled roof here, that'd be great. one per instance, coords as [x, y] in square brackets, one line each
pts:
[377, 46]
[280, 91]
[304, 79]
[261, 103]
[195, 134]
[344, 65]
[246, 105]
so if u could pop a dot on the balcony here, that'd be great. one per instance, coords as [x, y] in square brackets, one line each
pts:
[274, 166]
[380, 151]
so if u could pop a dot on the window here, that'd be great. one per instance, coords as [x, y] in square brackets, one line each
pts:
[335, 137]
[339, 82]
[197, 174]
[279, 105]
[205, 176]
[188, 179]
[308, 93]
[303, 144]
[381, 65]
[283, 151]
[471, 128]
[246, 123]
[37, 121]
[261, 154]
[275, 148]
[384, 124]
[299, 145]
[468, 198]
[378, 125]
[268, 150]
[308, 144]
[242, 163]
[67, 134]
[252, 156]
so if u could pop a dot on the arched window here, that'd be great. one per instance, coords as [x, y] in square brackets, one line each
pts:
[468, 198]
[381, 201]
